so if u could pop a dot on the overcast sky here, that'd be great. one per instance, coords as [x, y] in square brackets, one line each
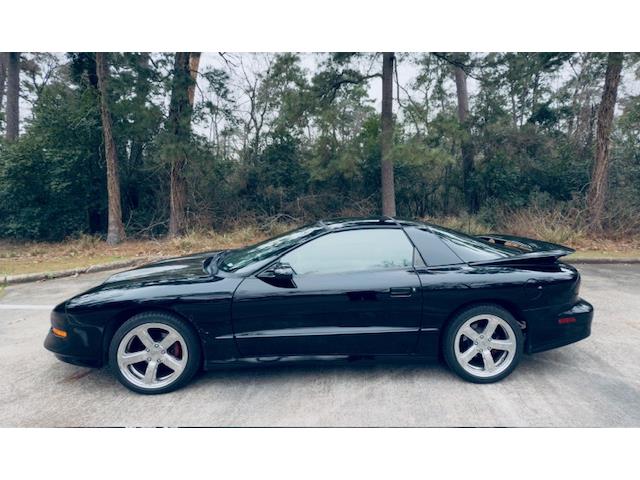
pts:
[407, 72]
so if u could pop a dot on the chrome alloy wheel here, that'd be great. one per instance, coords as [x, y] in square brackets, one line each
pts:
[152, 355]
[485, 345]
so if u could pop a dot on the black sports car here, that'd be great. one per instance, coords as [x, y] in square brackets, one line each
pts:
[339, 289]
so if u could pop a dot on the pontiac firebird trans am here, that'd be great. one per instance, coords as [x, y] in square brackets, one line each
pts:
[340, 289]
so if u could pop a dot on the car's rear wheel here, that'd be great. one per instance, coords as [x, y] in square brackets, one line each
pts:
[154, 352]
[483, 344]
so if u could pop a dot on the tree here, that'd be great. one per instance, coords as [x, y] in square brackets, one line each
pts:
[600, 173]
[194, 63]
[179, 131]
[296, 137]
[141, 89]
[470, 195]
[115, 231]
[52, 181]
[3, 75]
[386, 136]
[332, 80]
[13, 96]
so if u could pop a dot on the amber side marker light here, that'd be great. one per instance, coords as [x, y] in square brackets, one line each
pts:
[59, 333]
[565, 320]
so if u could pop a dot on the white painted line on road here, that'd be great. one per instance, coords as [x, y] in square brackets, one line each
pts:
[5, 306]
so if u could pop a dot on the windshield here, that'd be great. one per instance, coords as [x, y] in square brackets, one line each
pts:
[237, 259]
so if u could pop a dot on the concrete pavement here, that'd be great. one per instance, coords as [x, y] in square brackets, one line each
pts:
[595, 382]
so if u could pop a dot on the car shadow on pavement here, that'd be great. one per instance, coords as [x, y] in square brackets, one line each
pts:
[363, 370]
[543, 365]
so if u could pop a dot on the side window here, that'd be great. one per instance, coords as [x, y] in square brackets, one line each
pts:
[352, 251]
[418, 262]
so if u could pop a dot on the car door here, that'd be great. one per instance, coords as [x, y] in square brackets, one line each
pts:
[352, 292]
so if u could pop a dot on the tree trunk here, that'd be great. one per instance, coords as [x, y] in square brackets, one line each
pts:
[12, 116]
[194, 63]
[600, 175]
[3, 75]
[386, 138]
[470, 194]
[179, 128]
[115, 232]
[142, 89]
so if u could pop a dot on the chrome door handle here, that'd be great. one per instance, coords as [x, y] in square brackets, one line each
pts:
[401, 291]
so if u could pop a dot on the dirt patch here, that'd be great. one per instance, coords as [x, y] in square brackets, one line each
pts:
[77, 376]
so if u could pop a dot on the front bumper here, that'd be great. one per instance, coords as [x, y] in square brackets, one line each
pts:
[65, 350]
[78, 347]
[559, 328]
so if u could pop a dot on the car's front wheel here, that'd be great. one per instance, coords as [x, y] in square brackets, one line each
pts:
[483, 344]
[154, 352]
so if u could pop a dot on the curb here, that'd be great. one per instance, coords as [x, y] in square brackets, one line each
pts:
[37, 277]
[604, 260]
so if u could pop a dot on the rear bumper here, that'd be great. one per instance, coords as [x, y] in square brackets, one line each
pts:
[560, 328]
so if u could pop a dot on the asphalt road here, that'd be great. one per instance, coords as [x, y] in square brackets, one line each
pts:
[593, 383]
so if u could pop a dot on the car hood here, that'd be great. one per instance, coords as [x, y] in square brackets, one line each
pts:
[189, 268]
[170, 280]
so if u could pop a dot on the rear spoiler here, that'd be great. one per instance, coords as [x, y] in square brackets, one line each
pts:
[533, 251]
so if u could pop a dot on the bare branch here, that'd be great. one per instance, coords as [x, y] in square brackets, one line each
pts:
[456, 63]
[341, 80]
[229, 63]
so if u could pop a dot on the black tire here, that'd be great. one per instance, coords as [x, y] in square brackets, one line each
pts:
[188, 333]
[451, 332]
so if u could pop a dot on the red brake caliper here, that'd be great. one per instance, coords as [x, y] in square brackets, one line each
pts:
[177, 350]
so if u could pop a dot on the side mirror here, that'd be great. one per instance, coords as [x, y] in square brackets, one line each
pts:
[279, 275]
[283, 271]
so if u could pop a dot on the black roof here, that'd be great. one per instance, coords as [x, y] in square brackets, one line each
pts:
[351, 222]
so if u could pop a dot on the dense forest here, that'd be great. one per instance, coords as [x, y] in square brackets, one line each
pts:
[159, 144]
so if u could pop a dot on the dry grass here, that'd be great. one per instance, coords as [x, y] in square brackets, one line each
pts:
[568, 229]
[563, 227]
[552, 226]
[84, 251]
[466, 223]
[18, 258]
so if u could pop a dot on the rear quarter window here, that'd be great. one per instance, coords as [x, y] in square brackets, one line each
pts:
[471, 249]
[431, 247]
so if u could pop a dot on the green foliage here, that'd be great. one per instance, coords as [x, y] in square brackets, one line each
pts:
[424, 176]
[51, 184]
[272, 138]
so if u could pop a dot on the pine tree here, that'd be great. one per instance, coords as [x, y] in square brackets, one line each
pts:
[600, 173]
[115, 232]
